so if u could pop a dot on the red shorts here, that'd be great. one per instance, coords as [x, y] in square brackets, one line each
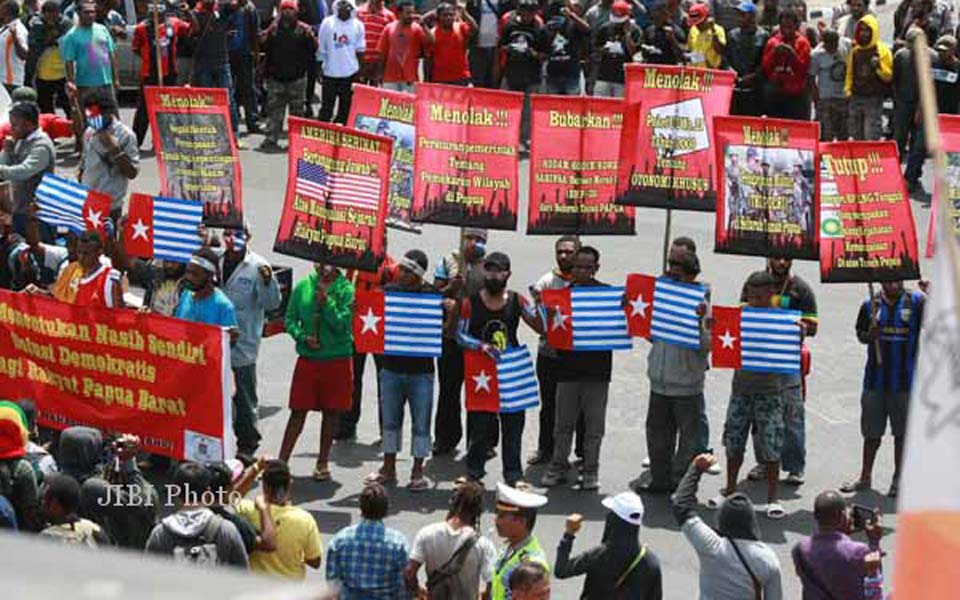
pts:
[322, 384]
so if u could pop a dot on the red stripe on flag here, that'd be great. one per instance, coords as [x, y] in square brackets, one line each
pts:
[639, 307]
[725, 337]
[480, 382]
[138, 230]
[368, 321]
[560, 318]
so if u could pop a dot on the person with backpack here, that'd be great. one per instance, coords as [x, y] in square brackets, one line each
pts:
[619, 567]
[61, 501]
[194, 534]
[459, 561]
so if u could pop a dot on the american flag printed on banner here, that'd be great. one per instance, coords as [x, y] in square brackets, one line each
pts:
[756, 339]
[675, 319]
[506, 385]
[398, 323]
[163, 228]
[65, 203]
[587, 318]
[346, 190]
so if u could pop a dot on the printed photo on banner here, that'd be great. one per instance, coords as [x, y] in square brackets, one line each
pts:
[336, 202]
[666, 150]
[574, 151]
[866, 226]
[767, 190]
[197, 157]
[950, 138]
[390, 114]
[466, 156]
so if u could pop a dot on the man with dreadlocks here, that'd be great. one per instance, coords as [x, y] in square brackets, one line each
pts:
[458, 560]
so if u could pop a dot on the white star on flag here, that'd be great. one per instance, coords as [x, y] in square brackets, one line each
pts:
[560, 320]
[370, 321]
[727, 340]
[482, 381]
[639, 307]
[140, 230]
[94, 218]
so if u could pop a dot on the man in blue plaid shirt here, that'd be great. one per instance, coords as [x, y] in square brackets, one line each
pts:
[367, 559]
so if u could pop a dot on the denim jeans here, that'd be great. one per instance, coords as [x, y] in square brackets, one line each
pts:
[563, 86]
[398, 389]
[483, 427]
[245, 409]
[218, 76]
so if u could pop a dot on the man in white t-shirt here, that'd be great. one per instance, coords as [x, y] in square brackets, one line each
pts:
[458, 560]
[13, 45]
[341, 46]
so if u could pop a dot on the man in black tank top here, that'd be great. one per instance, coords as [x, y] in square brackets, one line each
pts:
[488, 321]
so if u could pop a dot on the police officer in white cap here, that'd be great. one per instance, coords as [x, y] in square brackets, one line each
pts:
[620, 567]
[516, 516]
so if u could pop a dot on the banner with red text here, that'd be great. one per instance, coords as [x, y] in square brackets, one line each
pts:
[466, 156]
[666, 153]
[197, 156]
[950, 138]
[574, 146]
[388, 113]
[336, 204]
[766, 187]
[121, 371]
[866, 226]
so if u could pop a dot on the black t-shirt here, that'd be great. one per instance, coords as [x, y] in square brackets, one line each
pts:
[409, 365]
[522, 67]
[947, 80]
[611, 46]
[495, 327]
[580, 365]
[565, 50]
[661, 51]
[211, 39]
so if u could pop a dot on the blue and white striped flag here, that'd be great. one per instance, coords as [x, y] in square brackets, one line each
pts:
[517, 380]
[163, 228]
[675, 319]
[771, 340]
[588, 318]
[398, 323]
[66, 203]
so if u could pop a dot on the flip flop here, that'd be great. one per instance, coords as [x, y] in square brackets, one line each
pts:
[775, 511]
[321, 474]
[419, 484]
[857, 485]
[378, 477]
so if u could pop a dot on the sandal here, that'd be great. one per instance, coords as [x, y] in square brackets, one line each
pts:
[775, 511]
[857, 485]
[379, 477]
[715, 502]
[418, 484]
[321, 474]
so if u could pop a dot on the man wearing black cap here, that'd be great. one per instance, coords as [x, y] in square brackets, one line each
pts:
[523, 45]
[488, 321]
[25, 158]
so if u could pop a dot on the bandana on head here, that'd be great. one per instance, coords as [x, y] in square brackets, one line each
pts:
[204, 264]
[412, 266]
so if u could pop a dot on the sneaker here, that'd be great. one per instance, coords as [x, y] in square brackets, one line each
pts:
[538, 458]
[269, 145]
[439, 450]
[240, 145]
[758, 473]
[646, 462]
[550, 479]
[714, 469]
[794, 478]
[491, 453]
[587, 483]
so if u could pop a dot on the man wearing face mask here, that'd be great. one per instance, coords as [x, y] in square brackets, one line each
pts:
[110, 157]
[201, 301]
[489, 320]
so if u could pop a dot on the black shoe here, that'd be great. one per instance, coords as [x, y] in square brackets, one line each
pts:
[491, 453]
[439, 450]
[247, 458]
[345, 435]
[539, 458]
[254, 128]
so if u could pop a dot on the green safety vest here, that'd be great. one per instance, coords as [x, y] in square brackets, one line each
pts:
[529, 551]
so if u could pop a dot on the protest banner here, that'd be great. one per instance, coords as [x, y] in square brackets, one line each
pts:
[466, 156]
[950, 138]
[197, 156]
[388, 113]
[666, 154]
[766, 187]
[866, 226]
[574, 149]
[336, 202]
[120, 371]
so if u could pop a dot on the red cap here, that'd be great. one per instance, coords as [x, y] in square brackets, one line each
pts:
[620, 8]
[697, 14]
[289, 4]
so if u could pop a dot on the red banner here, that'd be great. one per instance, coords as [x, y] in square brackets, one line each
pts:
[388, 113]
[866, 226]
[122, 371]
[574, 147]
[666, 158]
[336, 203]
[766, 187]
[197, 156]
[639, 310]
[466, 156]
[950, 138]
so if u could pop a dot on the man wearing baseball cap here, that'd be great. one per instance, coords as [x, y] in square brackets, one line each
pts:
[516, 517]
[706, 40]
[946, 75]
[615, 43]
[619, 567]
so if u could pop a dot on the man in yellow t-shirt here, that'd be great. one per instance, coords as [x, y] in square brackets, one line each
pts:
[706, 39]
[297, 538]
[45, 62]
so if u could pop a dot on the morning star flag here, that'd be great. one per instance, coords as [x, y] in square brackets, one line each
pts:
[506, 385]
[664, 310]
[398, 323]
[340, 190]
[163, 228]
[65, 203]
[756, 339]
[586, 319]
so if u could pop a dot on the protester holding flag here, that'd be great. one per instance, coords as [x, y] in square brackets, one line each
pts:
[889, 325]
[100, 284]
[111, 158]
[202, 301]
[489, 320]
[744, 54]
[320, 319]
[406, 379]
[25, 158]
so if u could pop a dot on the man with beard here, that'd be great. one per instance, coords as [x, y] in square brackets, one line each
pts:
[201, 301]
[488, 322]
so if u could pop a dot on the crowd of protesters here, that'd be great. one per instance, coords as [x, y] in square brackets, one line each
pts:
[82, 489]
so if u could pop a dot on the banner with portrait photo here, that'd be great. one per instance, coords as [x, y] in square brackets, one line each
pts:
[197, 156]
[336, 204]
[950, 138]
[767, 188]
[574, 149]
[866, 226]
[389, 113]
[466, 156]
[666, 149]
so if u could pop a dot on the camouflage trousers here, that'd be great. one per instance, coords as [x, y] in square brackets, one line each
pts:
[280, 96]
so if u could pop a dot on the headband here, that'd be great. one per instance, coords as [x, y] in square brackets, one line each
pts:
[204, 264]
[412, 266]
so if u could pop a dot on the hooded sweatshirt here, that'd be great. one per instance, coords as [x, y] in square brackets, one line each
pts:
[862, 76]
[339, 43]
[677, 371]
[185, 528]
[606, 563]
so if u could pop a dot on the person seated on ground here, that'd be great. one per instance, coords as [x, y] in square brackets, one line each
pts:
[61, 501]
